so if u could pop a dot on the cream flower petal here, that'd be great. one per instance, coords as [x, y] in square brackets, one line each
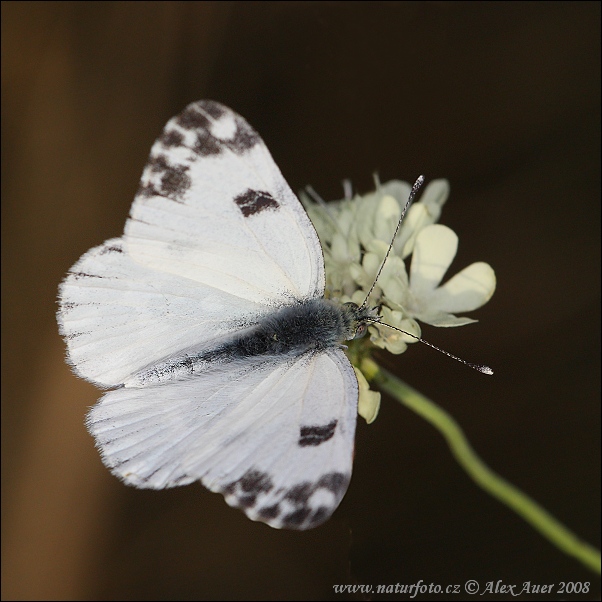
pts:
[365, 215]
[378, 247]
[398, 189]
[434, 197]
[378, 213]
[435, 249]
[364, 275]
[369, 401]
[443, 319]
[466, 291]
[394, 283]
[338, 247]
[388, 213]
[388, 338]
[345, 249]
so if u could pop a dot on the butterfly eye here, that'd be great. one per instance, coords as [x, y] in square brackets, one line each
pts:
[361, 330]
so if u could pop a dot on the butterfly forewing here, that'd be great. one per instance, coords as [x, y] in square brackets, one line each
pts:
[214, 207]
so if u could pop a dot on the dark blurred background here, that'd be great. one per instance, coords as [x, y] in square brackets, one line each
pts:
[503, 99]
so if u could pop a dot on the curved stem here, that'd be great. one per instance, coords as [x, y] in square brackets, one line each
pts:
[487, 479]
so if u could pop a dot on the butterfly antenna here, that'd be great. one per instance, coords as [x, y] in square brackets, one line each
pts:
[417, 184]
[479, 367]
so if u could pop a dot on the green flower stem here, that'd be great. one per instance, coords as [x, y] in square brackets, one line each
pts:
[486, 478]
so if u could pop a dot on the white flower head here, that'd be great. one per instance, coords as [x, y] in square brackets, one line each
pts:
[356, 233]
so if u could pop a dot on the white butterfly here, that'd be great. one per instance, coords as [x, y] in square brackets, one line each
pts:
[207, 321]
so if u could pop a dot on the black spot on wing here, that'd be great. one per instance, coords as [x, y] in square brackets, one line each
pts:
[81, 275]
[320, 515]
[247, 501]
[245, 137]
[191, 118]
[269, 512]
[171, 138]
[295, 519]
[158, 163]
[214, 109]
[175, 182]
[300, 494]
[336, 482]
[74, 335]
[292, 508]
[147, 190]
[253, 482]
[302, 514]
[111, 249]
[251, 202]
[315, 435]
[203, 120]
[206, 144]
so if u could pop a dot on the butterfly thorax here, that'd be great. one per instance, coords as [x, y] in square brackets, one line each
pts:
[292, 330]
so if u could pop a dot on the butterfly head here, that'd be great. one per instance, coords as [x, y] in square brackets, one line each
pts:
[359, 318]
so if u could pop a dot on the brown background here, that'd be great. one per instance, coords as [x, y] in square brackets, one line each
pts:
[503, 99]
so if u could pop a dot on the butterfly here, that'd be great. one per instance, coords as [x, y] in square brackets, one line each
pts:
[207, 323]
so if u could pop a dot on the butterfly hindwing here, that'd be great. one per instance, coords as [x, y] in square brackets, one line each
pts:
[274, 435]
